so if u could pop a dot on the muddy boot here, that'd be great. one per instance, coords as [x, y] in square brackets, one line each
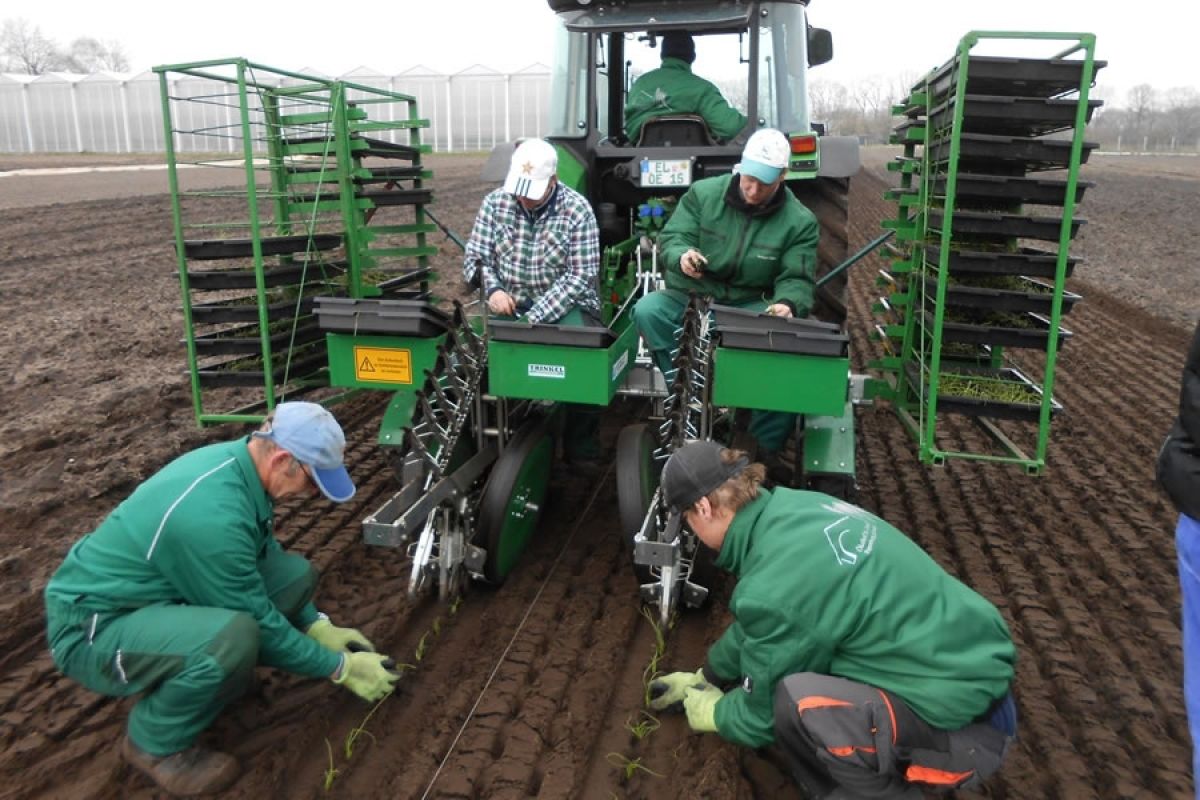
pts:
[186, 773]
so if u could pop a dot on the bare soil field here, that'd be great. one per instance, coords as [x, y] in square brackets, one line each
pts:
[532, 689]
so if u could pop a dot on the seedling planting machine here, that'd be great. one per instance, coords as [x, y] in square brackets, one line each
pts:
[311, 276]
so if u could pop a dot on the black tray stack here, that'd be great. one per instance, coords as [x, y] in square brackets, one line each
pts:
[992, 146]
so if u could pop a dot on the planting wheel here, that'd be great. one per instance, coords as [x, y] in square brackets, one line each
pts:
[637, 478]
[513, 498]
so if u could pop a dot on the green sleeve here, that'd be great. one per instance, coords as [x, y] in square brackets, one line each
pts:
[797, 278]
[308, 612]
[724, 120]
[723, 656]
[680, 234]
[211, 555]
[772, 648]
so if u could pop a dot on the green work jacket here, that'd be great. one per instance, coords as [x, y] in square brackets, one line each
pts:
[674, 89]
[192, 534]
[766, 252]
[827, 587]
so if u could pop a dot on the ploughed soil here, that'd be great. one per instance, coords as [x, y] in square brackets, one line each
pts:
[535, 688]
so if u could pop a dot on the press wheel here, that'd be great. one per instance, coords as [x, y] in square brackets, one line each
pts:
[513, 498]
[637, 478]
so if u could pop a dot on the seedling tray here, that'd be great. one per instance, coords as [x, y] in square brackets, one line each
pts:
[395, 317]
[1036, 336]
[205, 249]
[245, 339]
[1029, 77]
[240, 372]
[366, 146]
[978, 150]
[390, 173]
[993, 190]
[396, 197]
[1013, 116]
[1003, 226]
[1026, 261]
[1036, 297]
[732, 316]
[564, 335]
[288, 275]
[1003, 393]
[240, 311]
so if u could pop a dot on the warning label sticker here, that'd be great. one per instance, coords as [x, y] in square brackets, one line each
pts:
[382, 365]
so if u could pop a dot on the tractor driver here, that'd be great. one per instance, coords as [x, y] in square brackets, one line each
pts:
[873, 671]
[746, 241]
[535, 250]
[183, 590]
[673, 89]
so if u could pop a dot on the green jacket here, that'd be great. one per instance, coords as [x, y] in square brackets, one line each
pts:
[764, 253]
[192, 534]
[673, 89]
[827, 587]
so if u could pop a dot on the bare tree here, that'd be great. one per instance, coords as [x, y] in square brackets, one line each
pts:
[91, 55]
[1182, 114]
[23, 48]
[1142, 101]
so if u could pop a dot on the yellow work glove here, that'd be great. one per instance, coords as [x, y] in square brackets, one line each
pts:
[667, 690]
[368, 675]
[700, 703]
[338, 639]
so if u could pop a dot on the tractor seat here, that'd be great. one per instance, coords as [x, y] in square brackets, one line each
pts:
[675, 130]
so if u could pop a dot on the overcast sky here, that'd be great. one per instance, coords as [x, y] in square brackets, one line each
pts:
[1145, 42]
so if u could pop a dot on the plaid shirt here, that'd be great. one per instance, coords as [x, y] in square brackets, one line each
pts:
[547, 259]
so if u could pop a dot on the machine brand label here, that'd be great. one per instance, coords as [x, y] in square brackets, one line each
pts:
[619, 365]
[547, 371]
[382, 365]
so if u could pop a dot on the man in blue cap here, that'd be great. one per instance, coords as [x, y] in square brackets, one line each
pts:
[183, 590]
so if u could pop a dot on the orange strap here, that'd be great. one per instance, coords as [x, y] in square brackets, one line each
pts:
[817, 701]
[935, 777]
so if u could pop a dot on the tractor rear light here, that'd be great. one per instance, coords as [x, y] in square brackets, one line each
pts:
[803, 144]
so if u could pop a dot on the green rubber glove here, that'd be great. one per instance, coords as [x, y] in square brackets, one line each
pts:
[700, 703]
[667, 690]
[337, 639]
[368, 675]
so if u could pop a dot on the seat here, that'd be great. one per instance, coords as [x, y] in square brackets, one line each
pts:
[675, 130]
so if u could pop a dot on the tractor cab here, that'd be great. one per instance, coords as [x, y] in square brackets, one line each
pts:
[756, 53]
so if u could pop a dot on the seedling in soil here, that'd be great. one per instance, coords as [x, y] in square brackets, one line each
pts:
[331, 772]
[629, 766]
[647, 724]
[422, 647]
[361, 729]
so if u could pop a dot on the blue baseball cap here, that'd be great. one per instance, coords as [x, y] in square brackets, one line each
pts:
[310, 433]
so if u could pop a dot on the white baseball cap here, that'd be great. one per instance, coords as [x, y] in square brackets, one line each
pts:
[534, 163]
[765, 156]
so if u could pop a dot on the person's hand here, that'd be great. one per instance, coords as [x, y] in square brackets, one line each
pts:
[501, 302]
[780, 310]
[692, 264]
[329, 635]
[667, 690]
[700, 704]
[368, 675]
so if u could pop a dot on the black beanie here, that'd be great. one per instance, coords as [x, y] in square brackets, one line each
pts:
[678, 44]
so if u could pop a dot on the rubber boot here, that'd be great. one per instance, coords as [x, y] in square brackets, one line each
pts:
[187, 773]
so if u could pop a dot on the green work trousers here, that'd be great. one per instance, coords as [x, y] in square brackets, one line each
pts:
[658, 316]
[187, 662]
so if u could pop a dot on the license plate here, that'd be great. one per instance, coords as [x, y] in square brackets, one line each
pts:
[666, 172]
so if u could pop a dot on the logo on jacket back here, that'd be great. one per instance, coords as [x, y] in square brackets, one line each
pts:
[852, 535]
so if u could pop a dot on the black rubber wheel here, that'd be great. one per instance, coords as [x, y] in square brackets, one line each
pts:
[637, 478]
[829, 201]
[513, 498]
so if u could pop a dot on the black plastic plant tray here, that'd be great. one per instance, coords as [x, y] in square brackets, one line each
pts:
[1037, 297]
[288, 275]
[566, 335]
[202, 249]
[390, 173]
[228, 373]
[1030, 77]
[364, 146]
[390, 285]
[979, 151]
[1000, 189]
[1011, 116]
[394, 317]
[981, 407]
[244, 339]
[396, 197]
[231, 311]
[835, 345]
[982, 224]
[1025, 261]
[744, 319]
[1030, 338]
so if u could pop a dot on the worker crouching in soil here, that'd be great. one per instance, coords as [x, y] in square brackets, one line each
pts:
[183, 590]
[874, 672]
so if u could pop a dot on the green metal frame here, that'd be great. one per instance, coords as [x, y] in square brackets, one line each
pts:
[921, 344]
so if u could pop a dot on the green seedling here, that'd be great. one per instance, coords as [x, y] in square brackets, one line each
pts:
[422, 647]
[331, 772]
[437, 626]
[646, 724]
[455, 603]
[629, 766]
[361, 730]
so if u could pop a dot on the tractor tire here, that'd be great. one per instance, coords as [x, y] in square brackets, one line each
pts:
[828, 200]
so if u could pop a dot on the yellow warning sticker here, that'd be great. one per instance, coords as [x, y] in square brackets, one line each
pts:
[382, 365]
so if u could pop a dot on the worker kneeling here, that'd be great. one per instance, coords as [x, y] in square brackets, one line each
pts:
[872, 670]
